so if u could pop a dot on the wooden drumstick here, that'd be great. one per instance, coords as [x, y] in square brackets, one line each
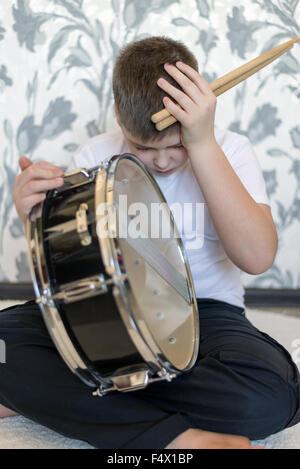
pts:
[163, 119]
[165, 122]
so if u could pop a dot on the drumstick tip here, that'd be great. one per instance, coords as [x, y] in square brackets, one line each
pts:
[293, 41]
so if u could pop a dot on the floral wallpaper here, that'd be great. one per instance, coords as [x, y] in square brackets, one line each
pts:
[56, 60]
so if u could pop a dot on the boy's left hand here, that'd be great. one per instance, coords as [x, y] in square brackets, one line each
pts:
[197, 104]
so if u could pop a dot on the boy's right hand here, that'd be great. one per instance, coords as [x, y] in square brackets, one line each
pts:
[30, 186]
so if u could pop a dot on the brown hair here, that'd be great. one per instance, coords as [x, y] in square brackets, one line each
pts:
[136, 71]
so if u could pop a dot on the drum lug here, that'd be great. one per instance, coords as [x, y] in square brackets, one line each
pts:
[78, 290]
[82, 225]
[126, 382]
[131, 381]
[134, 381]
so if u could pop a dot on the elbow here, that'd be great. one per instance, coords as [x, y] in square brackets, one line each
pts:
[262, 263]
[259, 268]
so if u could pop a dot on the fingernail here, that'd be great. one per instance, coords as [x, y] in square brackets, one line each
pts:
[59, 181]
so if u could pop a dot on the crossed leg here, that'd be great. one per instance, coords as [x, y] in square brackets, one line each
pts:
[222, 403]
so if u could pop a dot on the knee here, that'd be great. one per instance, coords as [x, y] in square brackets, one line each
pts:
[263, 399]
[265, 407]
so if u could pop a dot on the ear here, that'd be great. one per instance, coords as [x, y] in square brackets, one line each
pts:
[117, 114]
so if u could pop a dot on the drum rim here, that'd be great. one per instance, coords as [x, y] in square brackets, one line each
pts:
[111, 246]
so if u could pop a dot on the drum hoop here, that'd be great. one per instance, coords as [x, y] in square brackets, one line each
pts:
[110, 245]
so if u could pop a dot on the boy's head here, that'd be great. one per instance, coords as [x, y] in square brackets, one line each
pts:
[137, 97]
[136, 94]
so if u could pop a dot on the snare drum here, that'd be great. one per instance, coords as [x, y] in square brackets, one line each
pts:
[115, 292]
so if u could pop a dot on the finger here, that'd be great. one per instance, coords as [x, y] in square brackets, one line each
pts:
[196, 77]
[31, 201]
[43, 185]
[188, 85]
[24, 162]
[46, 165]
[181, 98]
[37, 171]
[180, 114]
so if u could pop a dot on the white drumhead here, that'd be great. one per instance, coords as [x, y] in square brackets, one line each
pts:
[161, 291]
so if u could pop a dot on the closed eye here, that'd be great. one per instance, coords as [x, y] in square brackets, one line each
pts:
[147, 149]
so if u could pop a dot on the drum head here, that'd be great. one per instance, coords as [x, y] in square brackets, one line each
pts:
[160, 293]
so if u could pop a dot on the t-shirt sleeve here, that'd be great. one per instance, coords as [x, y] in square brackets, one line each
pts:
[245, 164]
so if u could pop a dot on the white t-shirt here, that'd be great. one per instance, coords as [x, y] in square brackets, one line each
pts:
[214, 274]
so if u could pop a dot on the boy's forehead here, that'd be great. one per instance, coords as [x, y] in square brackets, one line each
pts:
[167, 140]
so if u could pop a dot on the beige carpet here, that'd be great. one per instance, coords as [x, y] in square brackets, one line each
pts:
[19, 432]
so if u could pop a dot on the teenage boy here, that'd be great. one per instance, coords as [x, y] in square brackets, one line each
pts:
[244, 384]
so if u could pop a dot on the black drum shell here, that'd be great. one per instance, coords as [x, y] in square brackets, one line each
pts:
[94, 324]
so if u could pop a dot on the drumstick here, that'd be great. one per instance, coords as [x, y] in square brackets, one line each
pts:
[163, 119]
[165, 122]
[239, 74]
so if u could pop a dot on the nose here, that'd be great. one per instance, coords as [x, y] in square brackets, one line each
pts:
[161, 161]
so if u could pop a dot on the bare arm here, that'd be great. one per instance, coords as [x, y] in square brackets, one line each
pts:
[245, 228]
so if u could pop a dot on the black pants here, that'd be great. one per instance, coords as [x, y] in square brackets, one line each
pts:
[243, 383]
